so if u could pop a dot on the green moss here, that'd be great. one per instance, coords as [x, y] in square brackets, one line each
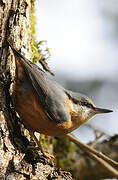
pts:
[45, 142]
[32, 31]
[64, 149]
[36, 47]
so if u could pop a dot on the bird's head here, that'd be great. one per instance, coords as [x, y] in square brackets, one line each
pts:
[83, 108]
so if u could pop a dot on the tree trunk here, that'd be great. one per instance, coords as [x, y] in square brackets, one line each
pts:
[17, 160]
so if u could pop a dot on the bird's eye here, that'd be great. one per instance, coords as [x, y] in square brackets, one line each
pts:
[86, 104]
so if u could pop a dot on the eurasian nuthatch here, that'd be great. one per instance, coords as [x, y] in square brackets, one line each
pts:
[45, 106]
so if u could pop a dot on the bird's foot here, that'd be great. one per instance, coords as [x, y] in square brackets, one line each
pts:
[47, 155]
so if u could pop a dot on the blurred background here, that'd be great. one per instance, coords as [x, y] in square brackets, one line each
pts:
[83, 40]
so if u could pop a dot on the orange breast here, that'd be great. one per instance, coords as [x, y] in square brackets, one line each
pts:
[32, 113]
[33, 116]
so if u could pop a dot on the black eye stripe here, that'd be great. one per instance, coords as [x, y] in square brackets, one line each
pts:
[86, 104]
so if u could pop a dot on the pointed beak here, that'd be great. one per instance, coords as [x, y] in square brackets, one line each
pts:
[100, 110]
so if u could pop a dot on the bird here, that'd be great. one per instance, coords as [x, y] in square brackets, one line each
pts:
[45, 106]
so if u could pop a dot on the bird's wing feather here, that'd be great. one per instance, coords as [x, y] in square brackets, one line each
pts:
[50, 95]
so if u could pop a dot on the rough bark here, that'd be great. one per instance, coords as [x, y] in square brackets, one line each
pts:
[17, 160]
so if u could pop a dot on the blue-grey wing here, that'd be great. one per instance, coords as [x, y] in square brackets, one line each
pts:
[49, 94]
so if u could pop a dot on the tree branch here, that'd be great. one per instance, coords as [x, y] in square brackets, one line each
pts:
[99, 157]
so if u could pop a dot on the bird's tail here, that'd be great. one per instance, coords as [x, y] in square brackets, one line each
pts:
[17, 53]
[27, 64]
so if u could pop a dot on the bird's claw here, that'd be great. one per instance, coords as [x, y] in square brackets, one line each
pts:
[47, 155]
